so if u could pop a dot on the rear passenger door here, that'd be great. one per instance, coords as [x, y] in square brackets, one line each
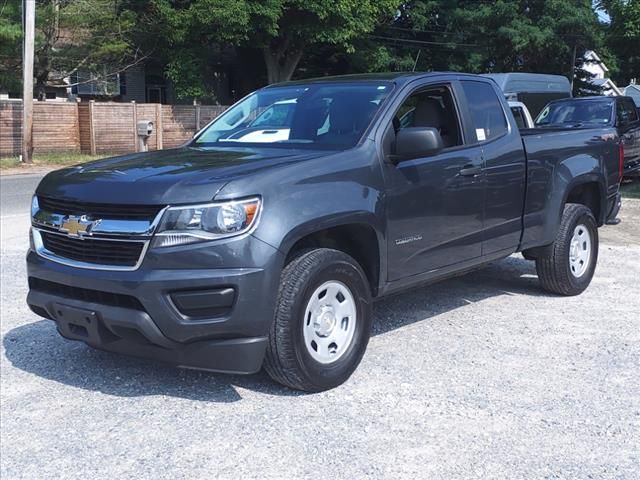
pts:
[504, 166]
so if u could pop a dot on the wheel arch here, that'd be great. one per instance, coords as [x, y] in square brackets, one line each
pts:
[356, 237]
[588, 190]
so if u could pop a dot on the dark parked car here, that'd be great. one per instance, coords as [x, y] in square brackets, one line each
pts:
[230, 255]
[618, 112]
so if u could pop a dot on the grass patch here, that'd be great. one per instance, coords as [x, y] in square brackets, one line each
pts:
[49, 159]
[630, 189]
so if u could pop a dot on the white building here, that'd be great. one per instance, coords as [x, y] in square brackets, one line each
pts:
[596, 67]
[633, 91]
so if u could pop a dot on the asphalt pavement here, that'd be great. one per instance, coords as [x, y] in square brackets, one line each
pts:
[483, 376]
[16, 192]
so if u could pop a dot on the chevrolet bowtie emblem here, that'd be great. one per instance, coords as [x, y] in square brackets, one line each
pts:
[78, 226]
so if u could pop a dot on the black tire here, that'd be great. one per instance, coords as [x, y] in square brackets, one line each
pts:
[554, 268]
[287, 360]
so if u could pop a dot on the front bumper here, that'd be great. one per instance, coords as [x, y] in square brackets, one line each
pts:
[136, 313]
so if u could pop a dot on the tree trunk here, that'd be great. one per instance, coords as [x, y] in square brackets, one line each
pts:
[41, 83]
[41, 93]
[282, 62]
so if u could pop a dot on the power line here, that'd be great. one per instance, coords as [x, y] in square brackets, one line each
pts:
[492, 34]
[424, 42]
[405, 29]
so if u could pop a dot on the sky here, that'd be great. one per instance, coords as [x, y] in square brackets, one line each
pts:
[601, 15]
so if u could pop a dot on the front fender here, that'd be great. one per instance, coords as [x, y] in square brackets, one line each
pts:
[311, 208]
[303, 198]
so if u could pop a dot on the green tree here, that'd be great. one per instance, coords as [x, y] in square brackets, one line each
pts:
[286, 29]
[82, 36]
[10, 45]
[189, 37]
[497, 36]
[198, 33]
[622, 36]
[91, 37]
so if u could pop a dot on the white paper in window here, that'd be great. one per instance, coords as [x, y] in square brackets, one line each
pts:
[480, 135]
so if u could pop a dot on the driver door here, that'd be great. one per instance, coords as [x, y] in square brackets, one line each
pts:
[434, 203]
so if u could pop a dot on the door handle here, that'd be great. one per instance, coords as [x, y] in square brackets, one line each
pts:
[470, 171]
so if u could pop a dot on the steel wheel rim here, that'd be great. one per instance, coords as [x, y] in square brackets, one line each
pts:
[329, 322]
[579, 251]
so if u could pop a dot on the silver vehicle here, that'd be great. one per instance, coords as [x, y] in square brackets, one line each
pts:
[535, 90]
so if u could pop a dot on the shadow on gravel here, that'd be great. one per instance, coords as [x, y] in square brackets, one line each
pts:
[511, 276]
[38, 349]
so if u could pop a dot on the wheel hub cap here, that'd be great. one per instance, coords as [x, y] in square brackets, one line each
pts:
[580, 251]
[325, 321]
[329, 322]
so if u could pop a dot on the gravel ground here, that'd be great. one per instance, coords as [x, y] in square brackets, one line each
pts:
[484, 376]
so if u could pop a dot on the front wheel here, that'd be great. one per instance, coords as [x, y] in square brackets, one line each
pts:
[322, 322]
[569, 265]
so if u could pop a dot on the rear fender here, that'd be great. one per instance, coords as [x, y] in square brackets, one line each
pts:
[541, 226]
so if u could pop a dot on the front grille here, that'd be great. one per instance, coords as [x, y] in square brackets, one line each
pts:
[98, 210]
[85, 295]
[90, 250]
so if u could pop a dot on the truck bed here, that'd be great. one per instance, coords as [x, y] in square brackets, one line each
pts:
[555, 158]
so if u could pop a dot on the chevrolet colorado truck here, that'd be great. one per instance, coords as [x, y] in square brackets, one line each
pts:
[264, 245]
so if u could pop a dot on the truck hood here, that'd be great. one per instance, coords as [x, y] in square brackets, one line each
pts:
[176, 176]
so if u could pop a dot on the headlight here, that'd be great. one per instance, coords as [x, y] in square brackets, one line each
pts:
[35, 206]
[212, 221]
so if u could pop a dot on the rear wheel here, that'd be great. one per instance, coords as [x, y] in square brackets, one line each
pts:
[322, 323]
[568, 266]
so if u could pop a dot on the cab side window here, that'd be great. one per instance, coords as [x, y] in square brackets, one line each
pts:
[432, 108]
[487, 115]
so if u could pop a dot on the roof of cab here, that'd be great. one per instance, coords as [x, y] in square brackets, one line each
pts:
[398, 77]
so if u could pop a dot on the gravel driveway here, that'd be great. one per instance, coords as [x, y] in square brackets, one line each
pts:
[483, 376]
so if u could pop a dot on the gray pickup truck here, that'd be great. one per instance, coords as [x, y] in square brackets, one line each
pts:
[264, 241]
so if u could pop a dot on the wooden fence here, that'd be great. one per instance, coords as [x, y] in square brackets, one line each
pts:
[97, 127]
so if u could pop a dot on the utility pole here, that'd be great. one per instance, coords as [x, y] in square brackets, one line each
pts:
[573, 66]
[29, 20]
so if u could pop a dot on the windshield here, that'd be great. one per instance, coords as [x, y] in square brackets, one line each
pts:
[319, 115]
[597, 111]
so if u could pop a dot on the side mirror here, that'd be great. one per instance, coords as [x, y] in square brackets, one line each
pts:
[415, 142]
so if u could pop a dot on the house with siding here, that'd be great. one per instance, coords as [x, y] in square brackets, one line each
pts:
[142, 83]
[633, 91]
[600, 74]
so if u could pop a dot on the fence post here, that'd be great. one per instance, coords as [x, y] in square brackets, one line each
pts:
[77, 129]
[135, 125]
[92, 130]
[197, 117]
[158, 126]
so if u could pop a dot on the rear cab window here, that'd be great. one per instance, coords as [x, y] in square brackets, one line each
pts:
[518, 116]
[485, 108]
[626, 111]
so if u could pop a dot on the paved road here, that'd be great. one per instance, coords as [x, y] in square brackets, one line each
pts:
[16, 192]
[484, 376]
